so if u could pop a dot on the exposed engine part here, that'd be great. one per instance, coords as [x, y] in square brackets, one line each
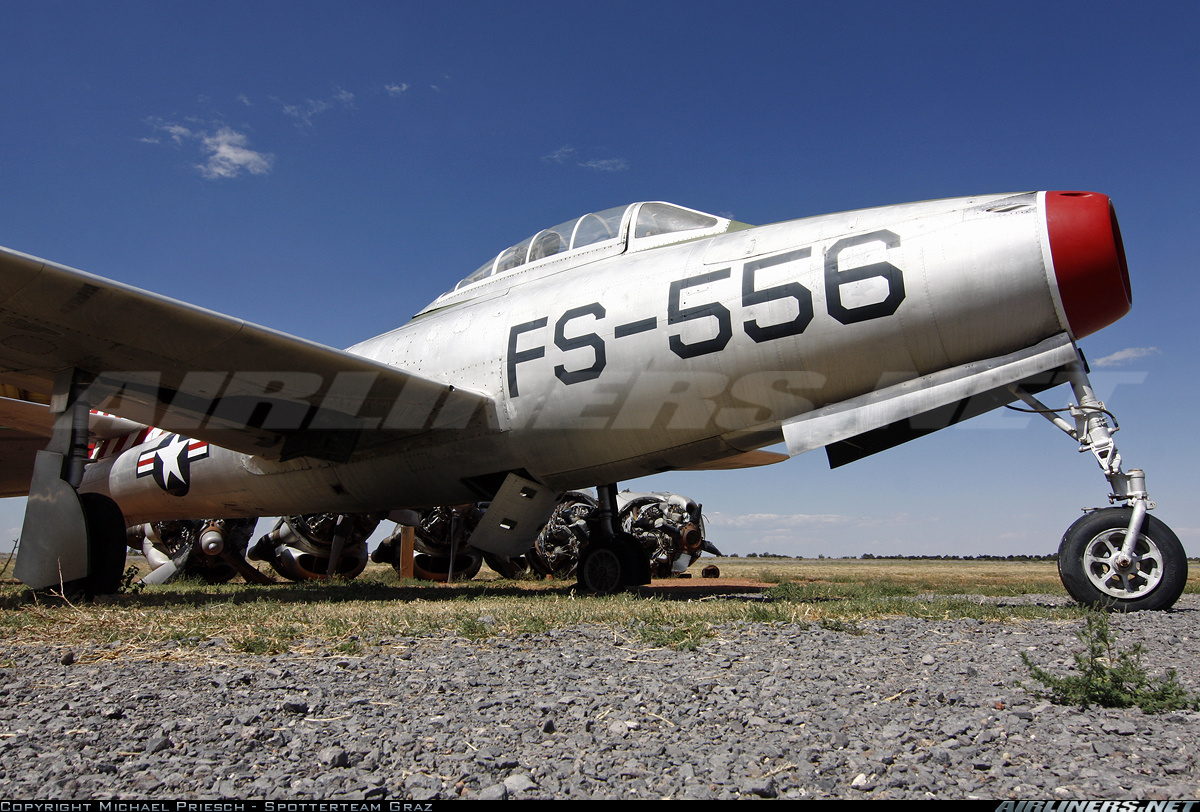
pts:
[387, 550]
[510, 568]
[556, 549]
[669, 526]
[432, 540]
[433, 568]
[209, 548]
[436, 532]
[612, 559]
[443, 532]
[300, 548]
[711, 571]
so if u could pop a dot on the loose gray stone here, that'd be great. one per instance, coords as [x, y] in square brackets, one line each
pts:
[519, 782]
[495, 792]
[158, 744]
[894, 708]
[334, 757]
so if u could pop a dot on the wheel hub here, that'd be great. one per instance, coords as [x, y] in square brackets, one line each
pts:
[1120, 576]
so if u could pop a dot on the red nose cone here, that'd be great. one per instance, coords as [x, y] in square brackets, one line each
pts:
[1089, 260]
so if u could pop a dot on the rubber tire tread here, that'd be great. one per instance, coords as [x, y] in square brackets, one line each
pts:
[1074, 577]
[107, 545]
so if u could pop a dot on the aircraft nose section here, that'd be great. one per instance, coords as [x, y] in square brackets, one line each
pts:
[1089, 260]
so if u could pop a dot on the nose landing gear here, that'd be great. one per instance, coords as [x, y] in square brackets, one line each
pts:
[1116, 558]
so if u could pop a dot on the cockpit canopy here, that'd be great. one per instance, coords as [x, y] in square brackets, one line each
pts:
[634, 227]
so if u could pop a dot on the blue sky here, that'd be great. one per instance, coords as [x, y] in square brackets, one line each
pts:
[329, 168]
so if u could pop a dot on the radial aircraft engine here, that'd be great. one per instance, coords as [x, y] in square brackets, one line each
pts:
[630, 341]
[213, 550]
[668, 527]
[317, 546]
[442, 545]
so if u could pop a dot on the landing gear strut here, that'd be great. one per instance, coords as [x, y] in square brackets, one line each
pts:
[612, 559]
[70, 541]
[1119, 557]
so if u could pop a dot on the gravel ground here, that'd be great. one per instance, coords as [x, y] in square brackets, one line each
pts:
[891, 708]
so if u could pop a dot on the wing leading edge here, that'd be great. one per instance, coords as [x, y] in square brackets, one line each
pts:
[180, 367]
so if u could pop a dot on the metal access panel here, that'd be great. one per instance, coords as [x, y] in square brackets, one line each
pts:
[516, 514]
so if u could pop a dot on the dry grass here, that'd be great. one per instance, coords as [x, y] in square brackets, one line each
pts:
[183, 619]
[943, 577]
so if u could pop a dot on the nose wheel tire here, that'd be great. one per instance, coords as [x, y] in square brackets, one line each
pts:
[1095, 573]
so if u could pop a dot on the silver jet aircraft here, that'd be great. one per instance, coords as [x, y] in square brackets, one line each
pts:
[639, 339]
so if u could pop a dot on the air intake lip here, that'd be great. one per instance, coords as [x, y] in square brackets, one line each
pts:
[1089, 260]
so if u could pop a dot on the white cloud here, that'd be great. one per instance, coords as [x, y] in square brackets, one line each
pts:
[177, 132]
[560, 155]
[1123, 356]
[396, 89]
[226, 152]
[306, 110]
[228, 156]
[761, 521]
[607, 164]
[568, 154]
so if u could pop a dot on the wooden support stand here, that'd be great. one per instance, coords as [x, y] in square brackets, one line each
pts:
[404, 556]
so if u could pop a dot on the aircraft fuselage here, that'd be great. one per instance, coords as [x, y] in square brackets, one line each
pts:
[623, 365]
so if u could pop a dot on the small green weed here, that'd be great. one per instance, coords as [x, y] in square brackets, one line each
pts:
[258, 645]
[1111, 679]
[269, 641]
[835, 624]
[475, 628]
[351, 646]
[681, 637]
[768, 576]
[535, 624]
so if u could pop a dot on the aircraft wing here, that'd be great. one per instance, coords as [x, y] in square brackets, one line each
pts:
[24, 429]
[33, 419]
[17, 454]
[165, 363]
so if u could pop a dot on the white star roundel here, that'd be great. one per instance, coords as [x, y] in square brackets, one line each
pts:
[170, 462]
